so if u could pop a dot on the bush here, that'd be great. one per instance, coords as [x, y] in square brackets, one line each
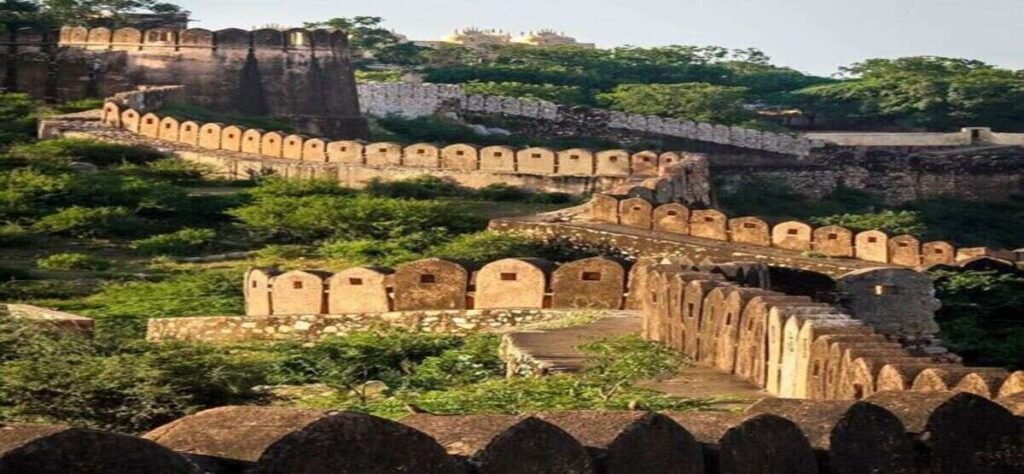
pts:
[14, 234]
[503, 192]
[90, 222]
[53, 378]
[90, 151]
[24, 191]
[570, 95]
[893, 222]
[981, 316]
[16, 121]
[208, 293]
[355, 218]
[73, 261]
[420, 187]
[282, 187]
[388, 252]
[182, 242]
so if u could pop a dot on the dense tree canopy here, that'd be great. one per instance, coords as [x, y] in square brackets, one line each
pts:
[16, 14]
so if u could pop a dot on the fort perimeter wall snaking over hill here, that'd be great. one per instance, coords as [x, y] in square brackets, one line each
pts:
[636, 209]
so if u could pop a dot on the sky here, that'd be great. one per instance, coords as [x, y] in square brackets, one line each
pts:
[814, 36]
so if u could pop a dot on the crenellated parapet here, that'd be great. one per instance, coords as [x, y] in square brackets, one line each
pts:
[635, 207]
[198, 39]
[670, 176]
[416, 100]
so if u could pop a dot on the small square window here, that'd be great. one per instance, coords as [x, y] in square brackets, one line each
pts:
[591, 276]
[255, 284]
[509, 277]
[428, 278]
[939, 251]
[574, 157]
[382, 150]
[460, 153]
[168, 126]
[885, 290]
[231, 136]
[420, 151]
[188, 128]
[637, 208]
[833, 236]
[535, 155]
[613, 159]
[903, 244]
[355, 281]
[749, 225]
[497, 154]
[344, 148]
[793, 232]
[709, 219]
[297, 285]
[672, 213]
[872, 240]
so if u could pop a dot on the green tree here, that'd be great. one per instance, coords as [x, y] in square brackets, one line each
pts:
[572, 95]
[370, 40]
[692, 101]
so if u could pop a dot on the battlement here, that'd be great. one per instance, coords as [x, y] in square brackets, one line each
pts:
[192, 39]
[893, 432]
[670, 175]
[417, 100]
[636, 208]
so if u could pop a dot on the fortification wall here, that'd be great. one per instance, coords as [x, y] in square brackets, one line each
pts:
[302, 74]
[900, 432]
[897, 174]
[965, 137]
[314, 327]
[796, 348]
[240, 153]
[824, 241]
[417, 100]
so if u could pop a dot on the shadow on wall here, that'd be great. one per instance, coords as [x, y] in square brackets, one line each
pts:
[794, 347]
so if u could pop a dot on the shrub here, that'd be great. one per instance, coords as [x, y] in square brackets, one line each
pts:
[420, 187]
[388, 252]
[73, 261]
[894, 222]
[488, 246]
[24, 191]
[548, 92]
[71, 380]
[80, 105]
[187, 294]
[503, 192]
[90, 222]
[282, 187]
[182, 242]
[361, 217]
[16, 121]
[14, 234]
[91, 151]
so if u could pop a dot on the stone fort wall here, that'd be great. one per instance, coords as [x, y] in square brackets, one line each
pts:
[418, 100]
[891, 432]
[671, 175]
[305, 75]
[636, 209]
[794, 347]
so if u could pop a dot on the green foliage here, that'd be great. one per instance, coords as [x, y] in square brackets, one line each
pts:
[379, 76]
[272, 187]
[572, 95]
[360, 217]
[922, 91]
[692, 101]
[55, 378]
[14, 234]
[369, 40]
[207, 293]
[420, 187]
[84, 222]
[995, 224]
[16, 121]
[892, 222]
[183, 242]
[347, 363]
[981, 316]
[73, 261]
[98, 153]
[475, 360]
[386, 252]
[80, 105]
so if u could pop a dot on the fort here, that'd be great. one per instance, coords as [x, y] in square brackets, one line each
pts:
[302, 75]
[836, 328]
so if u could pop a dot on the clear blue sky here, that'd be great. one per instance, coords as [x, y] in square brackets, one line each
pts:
[813, 36]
